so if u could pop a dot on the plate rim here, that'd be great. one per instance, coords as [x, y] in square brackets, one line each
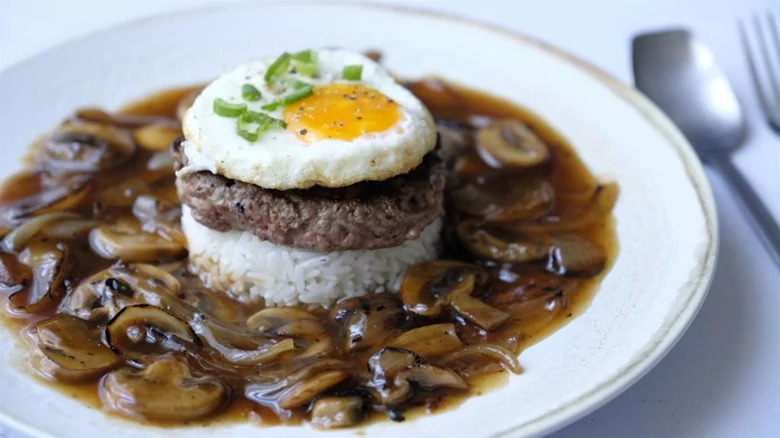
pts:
[699, 279]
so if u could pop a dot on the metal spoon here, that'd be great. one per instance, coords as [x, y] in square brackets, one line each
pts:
[679, 74]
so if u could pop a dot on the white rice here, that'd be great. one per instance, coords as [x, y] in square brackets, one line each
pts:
[254, 270]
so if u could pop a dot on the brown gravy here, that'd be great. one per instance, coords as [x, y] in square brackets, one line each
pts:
[540, 301]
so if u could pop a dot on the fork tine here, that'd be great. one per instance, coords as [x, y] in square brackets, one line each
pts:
[757, 84]
[766, 55]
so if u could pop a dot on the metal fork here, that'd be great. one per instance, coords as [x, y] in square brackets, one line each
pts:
[764, 52]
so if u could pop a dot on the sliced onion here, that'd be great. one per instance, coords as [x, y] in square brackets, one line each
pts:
[18, 238]
[472, 353]
[265, 350]
[63, 194]
[50, 265]
[69, 229]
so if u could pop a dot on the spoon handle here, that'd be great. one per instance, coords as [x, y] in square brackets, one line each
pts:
[765, 225]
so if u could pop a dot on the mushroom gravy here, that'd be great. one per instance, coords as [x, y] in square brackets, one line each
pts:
[93, 276]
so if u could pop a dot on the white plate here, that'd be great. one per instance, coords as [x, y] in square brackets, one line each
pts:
[666, 220]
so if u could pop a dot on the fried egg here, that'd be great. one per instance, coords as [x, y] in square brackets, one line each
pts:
[343, 132]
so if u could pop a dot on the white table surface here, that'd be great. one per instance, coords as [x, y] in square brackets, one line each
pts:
[723, 378]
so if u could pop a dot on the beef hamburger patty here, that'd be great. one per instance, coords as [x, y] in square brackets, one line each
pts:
[366, 215]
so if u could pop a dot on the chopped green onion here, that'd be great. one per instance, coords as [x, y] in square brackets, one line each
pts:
[296, 84]
[250, 93]
[251, 124]
[294, 96]
[226, 109]
[305, 56]
[352, 72]
[306, 69]
[278, 67]
[248, 134]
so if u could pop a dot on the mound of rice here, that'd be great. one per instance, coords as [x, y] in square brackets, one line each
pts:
[252, 269]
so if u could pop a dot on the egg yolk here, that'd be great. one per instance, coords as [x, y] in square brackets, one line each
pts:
[341, 111]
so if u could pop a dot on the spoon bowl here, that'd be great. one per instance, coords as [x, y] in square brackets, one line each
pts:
[680, 75]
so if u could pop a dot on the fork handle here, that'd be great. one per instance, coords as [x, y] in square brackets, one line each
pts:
[764, 224]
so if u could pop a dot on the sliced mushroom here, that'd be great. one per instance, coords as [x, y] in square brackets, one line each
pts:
[473, 309]
[368, 320]
[430, 378]
[123, 193]
[86, 147]
[598, 207]
[393, 370]
[511, 143]
[14, 275]
[156, 137]
[298, 324]
[50, 265]
[301, 393]
[535, 313]
[429, 286]
[500, 245]
[97, 115]
[70, 349]
[516, 201]
[574, 255]
[481, 353]
[165, 390]
[426, 285]
[429, 341]
[64, 193]
[334, 412]
[101, 296]
[140, 330]
[272, 319]
[126, 240]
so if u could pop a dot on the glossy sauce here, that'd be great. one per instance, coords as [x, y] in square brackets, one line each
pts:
[559, 297]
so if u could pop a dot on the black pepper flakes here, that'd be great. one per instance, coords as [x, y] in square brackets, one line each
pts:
[303, 131]
[240, 207]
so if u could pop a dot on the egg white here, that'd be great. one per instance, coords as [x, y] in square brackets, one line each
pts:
[279, 160]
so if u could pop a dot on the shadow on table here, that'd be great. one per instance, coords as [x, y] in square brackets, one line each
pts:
[692, 386]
